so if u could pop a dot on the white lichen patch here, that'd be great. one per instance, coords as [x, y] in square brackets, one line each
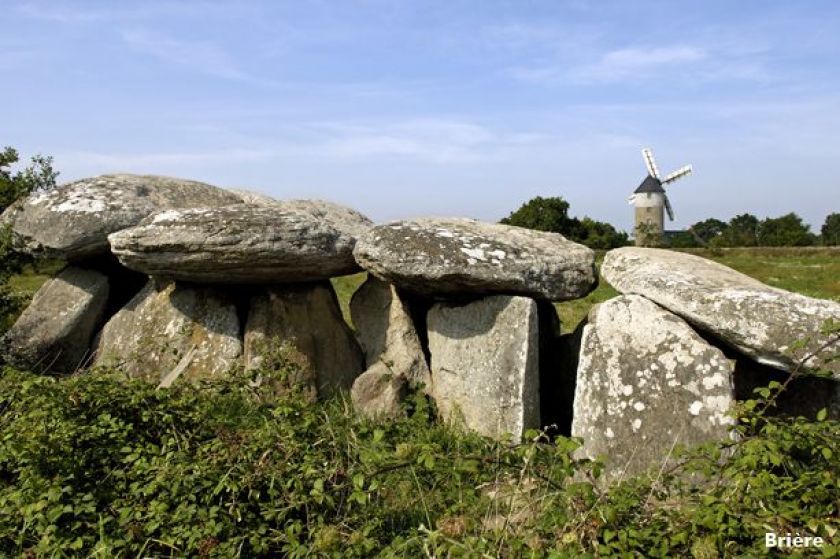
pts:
[714, 381]
[81, 204]
[167, 216]
[695, 407]
[474, 254]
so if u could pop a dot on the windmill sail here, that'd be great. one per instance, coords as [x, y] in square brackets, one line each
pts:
[650, 163]
[678, 174]
[669, 209]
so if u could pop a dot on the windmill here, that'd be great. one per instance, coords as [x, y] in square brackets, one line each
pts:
[651, 201]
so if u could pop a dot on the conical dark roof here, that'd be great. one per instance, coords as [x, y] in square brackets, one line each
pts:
[650, 184]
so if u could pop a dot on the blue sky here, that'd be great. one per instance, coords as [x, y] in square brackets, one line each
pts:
[439, 108]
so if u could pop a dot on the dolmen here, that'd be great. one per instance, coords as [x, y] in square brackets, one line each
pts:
[661, 364]
[174, 281]
[476, 298]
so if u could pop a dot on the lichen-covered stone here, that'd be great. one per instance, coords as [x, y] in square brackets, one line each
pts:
[485, 364]
[169, 326]
[235, 244]
[73, 221]
[386, 331]
[645, 382]
[378, 392]
[54, 332]
[308, 317]
[761, 321]
[454, 256]
[341, 217]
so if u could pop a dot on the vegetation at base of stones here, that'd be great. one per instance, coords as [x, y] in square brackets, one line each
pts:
[552, 214]
[37, 176]
[112, 467]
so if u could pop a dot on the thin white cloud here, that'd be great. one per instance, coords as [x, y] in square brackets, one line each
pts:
[616, 65]
[201, 56]
[100, 162]
[51, 12]
[433, 140]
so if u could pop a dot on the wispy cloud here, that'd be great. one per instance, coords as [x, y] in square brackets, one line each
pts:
[616, 65]
[201, 56]
[433, 140]
[64, 14]
[102, 162]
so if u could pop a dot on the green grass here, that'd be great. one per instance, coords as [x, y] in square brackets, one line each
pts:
[344, 287]
[812, 272]
[33, 277]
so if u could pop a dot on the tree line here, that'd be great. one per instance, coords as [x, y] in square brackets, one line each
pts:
[747, 230]
[744, 230]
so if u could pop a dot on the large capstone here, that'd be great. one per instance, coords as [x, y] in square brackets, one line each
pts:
[347, 220]
[73, 221]
[308, 317]
[235, 244]
[443, 257]
[763, 322]
[54, 332]
[386, 331]
[485, 364]
[173, 330]
[645, 383]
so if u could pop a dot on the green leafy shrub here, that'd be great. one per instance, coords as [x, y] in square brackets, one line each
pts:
[96, 465]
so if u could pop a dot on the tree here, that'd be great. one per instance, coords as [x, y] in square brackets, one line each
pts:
[682, 239]
[709, 229]
[787, 230]
[38, 176]
[742, 231]
[831, 230]
[552, 214]
[545, 214]
[600, 236]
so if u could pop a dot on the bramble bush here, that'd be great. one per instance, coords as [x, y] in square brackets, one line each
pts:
[97, 465]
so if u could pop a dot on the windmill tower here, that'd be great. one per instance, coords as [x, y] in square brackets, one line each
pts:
[651, 202]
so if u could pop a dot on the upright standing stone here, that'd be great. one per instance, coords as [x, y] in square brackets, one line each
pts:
[307, 316]
[54, 332]
[386, 330]
[193, 331]
[378, 392]
[645, 382]
[485, 364]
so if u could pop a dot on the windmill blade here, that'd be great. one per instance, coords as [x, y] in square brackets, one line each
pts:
[678, 174]
[669, 209]
[631, 199]
[647, 154]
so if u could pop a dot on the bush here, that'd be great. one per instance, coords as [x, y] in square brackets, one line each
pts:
[98, 465]
[552, 214]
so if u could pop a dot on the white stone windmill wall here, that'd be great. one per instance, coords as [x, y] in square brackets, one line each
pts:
[649, 214]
